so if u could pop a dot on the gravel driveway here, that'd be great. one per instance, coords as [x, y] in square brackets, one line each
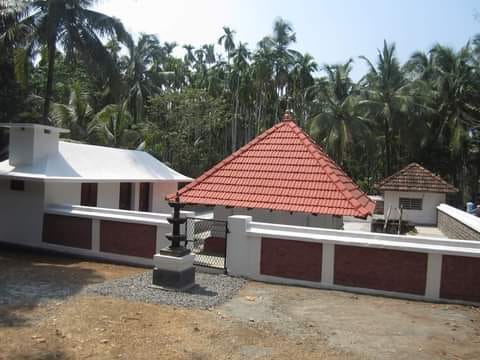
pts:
[210, 290]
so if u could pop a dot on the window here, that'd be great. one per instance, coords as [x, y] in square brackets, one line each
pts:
[89, 194]
[17, 185]
[410, 203]
[125, 202]
[144, 203]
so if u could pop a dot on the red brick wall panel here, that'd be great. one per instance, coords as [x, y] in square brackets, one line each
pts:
[381, 269]
[67, 231]
[291, 259]
[128, 238]
[460, 278]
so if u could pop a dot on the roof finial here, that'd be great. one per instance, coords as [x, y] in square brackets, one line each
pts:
[288, 116]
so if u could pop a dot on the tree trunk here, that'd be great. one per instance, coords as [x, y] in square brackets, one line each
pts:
[50, 72]
[235, 117]
[388, 163]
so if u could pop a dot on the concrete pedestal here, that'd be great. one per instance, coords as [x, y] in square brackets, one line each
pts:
[173, 272]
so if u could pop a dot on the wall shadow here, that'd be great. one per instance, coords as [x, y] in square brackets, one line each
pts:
[28, 279]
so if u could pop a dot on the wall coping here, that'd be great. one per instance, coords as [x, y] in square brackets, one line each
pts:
[365, 239]
[465, 218]
[130, 216]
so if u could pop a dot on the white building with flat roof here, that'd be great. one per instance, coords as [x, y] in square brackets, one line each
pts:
[42, 170]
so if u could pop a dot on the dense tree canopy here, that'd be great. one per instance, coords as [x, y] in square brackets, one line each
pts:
[62, 63]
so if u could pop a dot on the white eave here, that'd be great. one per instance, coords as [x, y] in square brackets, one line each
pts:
[90, 163]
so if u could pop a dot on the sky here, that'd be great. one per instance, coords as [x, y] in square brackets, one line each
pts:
[332, 31]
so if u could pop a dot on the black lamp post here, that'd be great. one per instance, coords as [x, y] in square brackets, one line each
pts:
[174, 265]
[175, 237]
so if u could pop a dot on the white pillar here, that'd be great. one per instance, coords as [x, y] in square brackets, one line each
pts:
[328, 262]
[238, 262]
[95, 235]
[434, 276]
[135, 196]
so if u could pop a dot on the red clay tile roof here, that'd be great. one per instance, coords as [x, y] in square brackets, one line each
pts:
[415, 178]
[281, 169]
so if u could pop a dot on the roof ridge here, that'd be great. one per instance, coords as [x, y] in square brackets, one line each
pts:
[309, 141]
[230, 158]
[432, 174]
[422, 173]
[332, 192]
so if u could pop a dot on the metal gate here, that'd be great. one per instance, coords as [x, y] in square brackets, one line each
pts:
[207, 239]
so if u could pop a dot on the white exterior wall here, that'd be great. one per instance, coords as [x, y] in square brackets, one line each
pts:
[245, 243]
[21, 146]
[45, 143]
[108, 195]
[158, 191]
[63, 193]
[426, 216]
[21, 213]
[30, 144]
[281, 217]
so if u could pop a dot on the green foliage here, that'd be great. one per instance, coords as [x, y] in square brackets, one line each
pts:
[194, 110]
[114, 126]
[187, 129]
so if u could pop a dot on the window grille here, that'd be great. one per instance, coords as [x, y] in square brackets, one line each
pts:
[410, 203]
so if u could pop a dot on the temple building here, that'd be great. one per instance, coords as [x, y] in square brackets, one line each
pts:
[282, 176]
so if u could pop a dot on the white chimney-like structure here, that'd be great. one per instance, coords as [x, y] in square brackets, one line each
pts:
[30, 143]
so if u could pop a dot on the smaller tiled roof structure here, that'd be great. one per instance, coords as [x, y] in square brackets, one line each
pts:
[415, 178]
[282, 169]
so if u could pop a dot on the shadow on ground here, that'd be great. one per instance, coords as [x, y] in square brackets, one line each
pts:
[28, 279]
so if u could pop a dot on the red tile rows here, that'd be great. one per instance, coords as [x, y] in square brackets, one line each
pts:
[414, 177]
[281, 169]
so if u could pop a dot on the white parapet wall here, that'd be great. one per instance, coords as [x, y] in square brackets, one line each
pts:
[400, 266]
[458, 224]
[131, 237]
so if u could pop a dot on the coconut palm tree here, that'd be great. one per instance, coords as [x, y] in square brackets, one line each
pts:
[240, 57]
[339, 121]
[77, 115]
[283, 57]
[169, 47]
[386, 97]
[456, 83]
[12, 30]
[72, 25]
[209, 51]
[114, 126]
[141, 73]
[227, 40]
[189, 57]
[302, 79]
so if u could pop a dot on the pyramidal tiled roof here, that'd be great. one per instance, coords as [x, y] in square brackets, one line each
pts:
[415, 178]
[281, 169]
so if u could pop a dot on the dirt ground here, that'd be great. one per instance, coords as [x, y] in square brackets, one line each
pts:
[262, 322]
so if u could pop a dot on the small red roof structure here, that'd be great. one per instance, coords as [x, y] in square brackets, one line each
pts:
[282, 169]
[415, 178]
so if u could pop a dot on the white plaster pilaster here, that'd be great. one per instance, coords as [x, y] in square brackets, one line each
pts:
[95, 235]
[135, 196]
[328, 262]
[434, 276]
[238, 255]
